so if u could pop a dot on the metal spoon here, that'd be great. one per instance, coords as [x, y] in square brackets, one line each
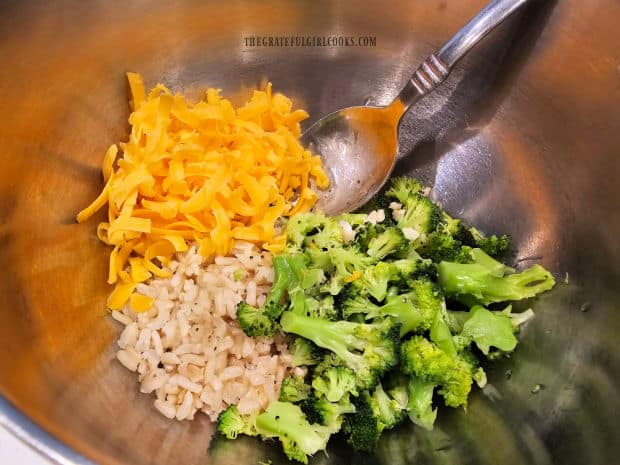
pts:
[359, 145]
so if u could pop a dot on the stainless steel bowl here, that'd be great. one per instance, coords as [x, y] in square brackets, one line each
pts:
[524, 138]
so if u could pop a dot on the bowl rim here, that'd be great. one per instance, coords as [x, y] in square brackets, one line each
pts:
[37, 438]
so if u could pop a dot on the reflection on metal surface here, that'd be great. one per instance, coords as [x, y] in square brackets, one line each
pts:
[516, 115]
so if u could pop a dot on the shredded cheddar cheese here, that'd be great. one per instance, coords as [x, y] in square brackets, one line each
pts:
[203, 172]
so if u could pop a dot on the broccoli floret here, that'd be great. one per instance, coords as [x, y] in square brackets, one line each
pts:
[286, 270]
[287, 422]
[422, 359]
[304, 352]
[375, 412]
[300, 226]
[334, 382]
[333, 285]
[420, 404]
[452, 226]
[349, 260]
[254, 322]
[493, 245]
[389, 242]
[341, 262]
[326, 309]
[230, 423]
[478, 283]
[294, 389]
[331, 414]
[263, 321]
[411, 269]
[440, 245]
[490, 329]
[420, 213]
[387, 410]
[401, 188]
[370, 349]
[361, 428]
[319, 259]
[414, 310]
[329, 236]
[374, 280]
[366, 233]
[321, 307]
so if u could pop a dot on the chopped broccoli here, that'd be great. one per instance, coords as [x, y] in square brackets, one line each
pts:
[321, 307]
[375, 280]
[414, 310]
[496, 268]
[361, 428]
[421, 213]
[349, 260]
[518, 319]
[387, 410]
[287, 422]
[490, 329]
[389, 242]
[294, 389]
[329, 236]
[304, 352]
[300, 226]
[440, 332]
[441, 245]
[428, 363]
[334, 382]
[239, 274]
[480, 377]
[366, 233]
[452, 226]
[331, 414]
[231, 423]
[401, 188]
[370, 349]
[319, 259]
[420, 405]
[473, 283]
[254, 322]
[326, 309]
[411, 269]
[334, 285]
[263, 321]
[493, 245]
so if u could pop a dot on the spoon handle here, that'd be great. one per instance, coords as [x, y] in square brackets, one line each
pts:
[436, 68]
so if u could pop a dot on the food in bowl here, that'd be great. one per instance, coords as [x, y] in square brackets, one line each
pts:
[276, 321]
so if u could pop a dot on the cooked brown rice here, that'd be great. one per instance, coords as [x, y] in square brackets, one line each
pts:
[188, 350]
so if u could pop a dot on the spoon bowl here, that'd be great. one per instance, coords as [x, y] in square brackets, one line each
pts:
[359, 147]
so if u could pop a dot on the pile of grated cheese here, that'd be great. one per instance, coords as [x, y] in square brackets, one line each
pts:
[203, 172]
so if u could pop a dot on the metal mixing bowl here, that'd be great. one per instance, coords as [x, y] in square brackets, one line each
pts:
[524, 139]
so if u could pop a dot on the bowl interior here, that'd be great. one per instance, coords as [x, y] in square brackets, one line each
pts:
[522, 139]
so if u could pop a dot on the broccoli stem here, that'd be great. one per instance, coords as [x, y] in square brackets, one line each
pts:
[420, 405]
[287, 422]
[473, 283]
[335, 336]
